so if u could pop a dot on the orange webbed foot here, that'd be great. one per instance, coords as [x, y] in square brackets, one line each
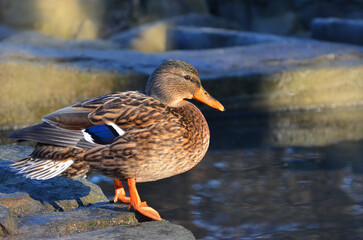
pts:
[120, 194]
[139, 206]
[147, 211]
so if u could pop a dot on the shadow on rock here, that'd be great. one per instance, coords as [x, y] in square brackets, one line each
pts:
[27, 196]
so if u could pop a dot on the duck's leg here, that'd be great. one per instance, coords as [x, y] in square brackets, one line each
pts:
[120, 192]
[139, 206]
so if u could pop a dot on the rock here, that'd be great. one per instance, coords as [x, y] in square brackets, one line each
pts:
[83, 219]
[188, 38]
[309, 10]
[182, 32]
[81, 84]
[156, 9]
[162, 38]
[338, 30]
[149, 230]
[31, 209]
[273, 74]
[85, 19]
[81, 19]
[26, 196]
[275, 17]
[283, 16]
[237, 11]
[7, 222]
[283, 24]
[38, 39]
[23, 197]
[200, 20]
[6, 31]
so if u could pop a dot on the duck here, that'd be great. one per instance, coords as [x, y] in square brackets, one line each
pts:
[130, 136]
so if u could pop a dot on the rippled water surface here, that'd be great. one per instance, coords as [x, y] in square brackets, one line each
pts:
[256, 191]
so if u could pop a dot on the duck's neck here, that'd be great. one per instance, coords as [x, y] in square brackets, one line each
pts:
[168, 101]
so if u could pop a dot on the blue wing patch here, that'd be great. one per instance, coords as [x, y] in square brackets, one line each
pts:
[101, 134]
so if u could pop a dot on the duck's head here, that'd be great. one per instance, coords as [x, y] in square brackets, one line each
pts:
[176, 80]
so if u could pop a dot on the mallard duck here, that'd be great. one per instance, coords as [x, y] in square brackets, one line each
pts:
[127, 136]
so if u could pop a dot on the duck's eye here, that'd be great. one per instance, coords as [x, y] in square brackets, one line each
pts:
[187, 77]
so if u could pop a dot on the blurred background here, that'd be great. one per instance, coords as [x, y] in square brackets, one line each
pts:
[286, 158]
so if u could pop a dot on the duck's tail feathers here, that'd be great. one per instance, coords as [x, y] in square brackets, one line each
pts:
[41, 169]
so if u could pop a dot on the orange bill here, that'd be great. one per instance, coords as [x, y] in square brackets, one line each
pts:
[204, 97]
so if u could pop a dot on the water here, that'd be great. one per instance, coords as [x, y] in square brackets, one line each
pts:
[255, 191]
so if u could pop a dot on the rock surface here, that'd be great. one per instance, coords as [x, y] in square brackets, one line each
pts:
[34, 38]
[31, 209]
[337, 30]
[148, 230]
[25, 196]
[271, 74]
[80, 19]
[284, 16]
[82, 219]
[162, 37]
[157, 9]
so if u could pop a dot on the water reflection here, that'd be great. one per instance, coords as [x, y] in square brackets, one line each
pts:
[287, 128]
[279, 193]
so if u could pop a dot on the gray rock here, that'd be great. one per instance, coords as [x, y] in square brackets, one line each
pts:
[338, 30]
[7, 222]
[149, 230]
[283, 24]
[237, 11]
[162, 37]
[181, 32]
[23, 197]
[26, 196]
[284, 16]
[274, 70]
[6, 31]
[66, 19]
[83, 219]
[200, 20]
[34, 38]
[157, 9]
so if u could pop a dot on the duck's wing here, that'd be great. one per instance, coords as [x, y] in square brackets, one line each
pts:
[66, 126]
[94, 122]
[76, 116]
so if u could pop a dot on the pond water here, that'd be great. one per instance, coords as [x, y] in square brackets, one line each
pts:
[246, 189]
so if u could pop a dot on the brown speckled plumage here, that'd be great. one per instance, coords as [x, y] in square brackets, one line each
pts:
[154, 134]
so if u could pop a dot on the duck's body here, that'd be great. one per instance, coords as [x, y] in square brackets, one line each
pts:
[128, 136]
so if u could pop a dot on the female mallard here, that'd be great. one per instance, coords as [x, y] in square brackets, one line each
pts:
[127, 136]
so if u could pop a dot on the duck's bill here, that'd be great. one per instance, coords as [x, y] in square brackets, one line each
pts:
[204, 97]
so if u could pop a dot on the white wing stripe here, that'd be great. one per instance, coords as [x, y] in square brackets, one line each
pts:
[87, 136]
[119, 130]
